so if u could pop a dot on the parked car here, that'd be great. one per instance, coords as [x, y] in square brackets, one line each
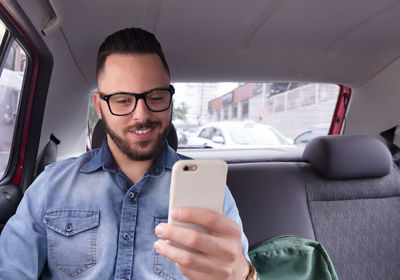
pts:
[306, 136]
[238, 135]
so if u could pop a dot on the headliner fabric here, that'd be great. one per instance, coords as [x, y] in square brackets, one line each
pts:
[292, 257]
[348, 157]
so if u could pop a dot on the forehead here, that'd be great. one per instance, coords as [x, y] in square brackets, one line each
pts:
[132, 72]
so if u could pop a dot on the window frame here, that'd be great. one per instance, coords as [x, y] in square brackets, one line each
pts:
[11, 35]
[22, 159]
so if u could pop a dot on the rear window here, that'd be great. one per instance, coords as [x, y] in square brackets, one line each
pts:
[245, 115]
[253, 135]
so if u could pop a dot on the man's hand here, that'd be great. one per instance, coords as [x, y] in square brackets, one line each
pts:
[218, 254]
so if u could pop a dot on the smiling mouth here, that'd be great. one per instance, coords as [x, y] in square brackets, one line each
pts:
[142, 131]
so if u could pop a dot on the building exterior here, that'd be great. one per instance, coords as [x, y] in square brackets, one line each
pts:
[289, 107]
[196, 98]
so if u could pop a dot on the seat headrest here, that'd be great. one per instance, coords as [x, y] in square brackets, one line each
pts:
[98, 134]
[348, 157]
[172, 137]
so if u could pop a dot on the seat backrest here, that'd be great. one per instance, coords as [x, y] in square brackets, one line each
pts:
[99, 132]
[48, 155]
[345, 194]
[271, 199]
[353, 191]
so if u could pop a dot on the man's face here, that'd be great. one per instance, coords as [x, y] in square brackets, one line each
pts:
[141, 134]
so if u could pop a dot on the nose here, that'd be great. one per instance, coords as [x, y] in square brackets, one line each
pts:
[141, 112]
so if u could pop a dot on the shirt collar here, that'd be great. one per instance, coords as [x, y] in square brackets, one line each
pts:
[165, 160]
[101, 157]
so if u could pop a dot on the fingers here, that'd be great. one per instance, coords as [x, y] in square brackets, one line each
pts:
[187, 237]
[222, 273]
[193, 265]
[217, 253]
[190, 260]
[211, 220]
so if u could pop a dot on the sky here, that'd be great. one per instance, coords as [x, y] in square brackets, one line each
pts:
[179, 95]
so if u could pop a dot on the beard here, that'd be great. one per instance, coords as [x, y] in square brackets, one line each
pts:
[139, 151]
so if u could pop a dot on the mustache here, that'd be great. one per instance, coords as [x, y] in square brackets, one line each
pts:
[142, 125]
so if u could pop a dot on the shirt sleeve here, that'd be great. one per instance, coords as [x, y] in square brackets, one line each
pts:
[23, 247]
[232, 212]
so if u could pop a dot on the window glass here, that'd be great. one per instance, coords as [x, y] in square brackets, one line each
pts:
[253, 114]
[11, 80]
[207, 133]
[303, 138]
[93, 118]
[2, 31]
[253, 136]
[248, 115]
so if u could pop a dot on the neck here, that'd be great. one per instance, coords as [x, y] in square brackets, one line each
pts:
[134, 169]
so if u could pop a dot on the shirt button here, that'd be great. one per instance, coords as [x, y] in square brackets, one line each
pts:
[68, 228]
[125, 236]
[131, 195]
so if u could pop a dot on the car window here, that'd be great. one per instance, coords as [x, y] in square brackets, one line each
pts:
[253, 136]
[12, 71]
[207, 133]
[285, 109]
[303, 138]
[218, 132]
[93, 118]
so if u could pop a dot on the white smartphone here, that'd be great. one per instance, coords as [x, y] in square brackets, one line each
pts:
[199, 184]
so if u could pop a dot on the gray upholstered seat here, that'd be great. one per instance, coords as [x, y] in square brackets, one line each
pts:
[271, 199]
[345, 194]
[353, 191]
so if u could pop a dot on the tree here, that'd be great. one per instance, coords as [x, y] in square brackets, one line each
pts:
[92, 118]
[180, 112]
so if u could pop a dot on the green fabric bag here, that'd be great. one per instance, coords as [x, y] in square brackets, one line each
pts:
[292, 258]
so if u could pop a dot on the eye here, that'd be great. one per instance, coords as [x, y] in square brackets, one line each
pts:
[157, 96]
[122, 100]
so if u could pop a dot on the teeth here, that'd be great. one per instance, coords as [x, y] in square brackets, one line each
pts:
[142, 131]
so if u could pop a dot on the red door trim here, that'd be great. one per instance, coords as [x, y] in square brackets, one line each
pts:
[340, 110]
[31, 95]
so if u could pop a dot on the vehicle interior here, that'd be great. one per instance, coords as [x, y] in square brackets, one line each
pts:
[342, 189]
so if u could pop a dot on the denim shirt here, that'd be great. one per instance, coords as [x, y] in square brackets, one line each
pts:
[83, 219]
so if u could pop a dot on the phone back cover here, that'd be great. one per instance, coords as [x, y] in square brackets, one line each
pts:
[202, 188]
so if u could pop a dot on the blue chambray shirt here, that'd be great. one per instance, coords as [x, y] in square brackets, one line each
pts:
[82, 219]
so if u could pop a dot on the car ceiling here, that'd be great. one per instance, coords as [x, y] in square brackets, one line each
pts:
[341, 41]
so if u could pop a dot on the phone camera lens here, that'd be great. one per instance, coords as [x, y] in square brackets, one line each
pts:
[186, 168]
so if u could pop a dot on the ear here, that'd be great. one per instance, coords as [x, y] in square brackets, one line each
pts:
[97, 103]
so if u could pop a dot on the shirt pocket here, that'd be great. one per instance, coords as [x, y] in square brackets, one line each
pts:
[163, 267]
[71, 239]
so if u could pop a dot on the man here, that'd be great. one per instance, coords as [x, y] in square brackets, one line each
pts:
[102, 215]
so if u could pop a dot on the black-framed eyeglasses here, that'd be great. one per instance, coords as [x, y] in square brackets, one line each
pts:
[124, 103]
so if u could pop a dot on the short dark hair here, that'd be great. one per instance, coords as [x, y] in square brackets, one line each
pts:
[129, 41]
